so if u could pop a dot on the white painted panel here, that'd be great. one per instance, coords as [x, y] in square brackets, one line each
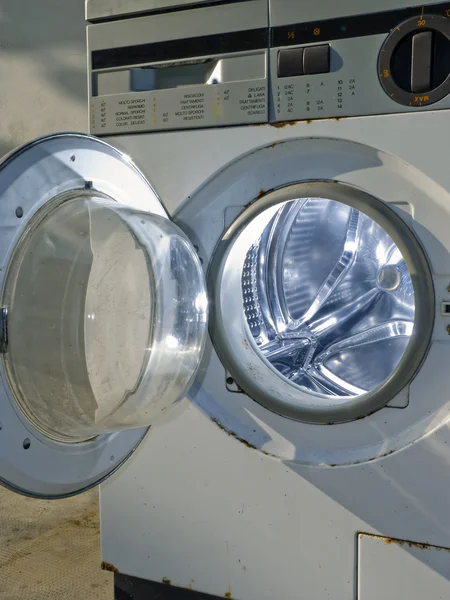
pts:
[391, 569]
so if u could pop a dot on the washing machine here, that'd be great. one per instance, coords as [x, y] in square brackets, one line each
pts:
[230, 305]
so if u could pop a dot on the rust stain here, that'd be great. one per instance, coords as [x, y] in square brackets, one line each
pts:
[234, 435]
[386, 454]
[362, 462]
[228, 594]
[268, 454]
[166, 581]
[307, 121]
[106, 566]
[277, 143]
[239, 439]
[388, 541]
[358, 462]
[260, 195]
[189, 587]
[410, 544]
[282, 124]
[357, 418]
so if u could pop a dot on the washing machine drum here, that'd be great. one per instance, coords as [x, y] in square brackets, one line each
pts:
[331, 297]
[339, 313]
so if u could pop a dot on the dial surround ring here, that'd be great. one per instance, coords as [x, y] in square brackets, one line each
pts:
[423, 22]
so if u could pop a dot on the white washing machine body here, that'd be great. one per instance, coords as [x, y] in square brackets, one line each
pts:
[229, 496]
[272, 477]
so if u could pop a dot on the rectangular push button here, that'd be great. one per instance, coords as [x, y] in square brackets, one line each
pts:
[316, 59]
[290, 62]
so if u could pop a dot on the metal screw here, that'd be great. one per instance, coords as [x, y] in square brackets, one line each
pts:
[448, 288]
[448, 329]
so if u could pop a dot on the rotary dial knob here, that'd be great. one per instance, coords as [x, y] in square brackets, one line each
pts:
[414, 61]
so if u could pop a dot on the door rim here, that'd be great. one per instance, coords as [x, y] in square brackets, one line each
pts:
[235, 349]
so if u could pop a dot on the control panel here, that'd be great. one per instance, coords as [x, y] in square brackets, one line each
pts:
[364, 64]
[226, 64]
[184, 69]
[181, 94]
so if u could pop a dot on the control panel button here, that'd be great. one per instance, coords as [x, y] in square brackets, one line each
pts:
[421, 61]
[316, 59]
[290, 62]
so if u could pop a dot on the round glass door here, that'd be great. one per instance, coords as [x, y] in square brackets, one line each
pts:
[106, 317]
[103, 313]
[335, 297]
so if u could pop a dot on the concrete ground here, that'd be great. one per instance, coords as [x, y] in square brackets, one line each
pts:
[50, 550]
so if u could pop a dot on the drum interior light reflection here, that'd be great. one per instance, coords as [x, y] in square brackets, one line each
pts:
[328, 297]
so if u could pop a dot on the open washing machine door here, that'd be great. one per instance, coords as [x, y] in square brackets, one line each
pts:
[103, 313]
